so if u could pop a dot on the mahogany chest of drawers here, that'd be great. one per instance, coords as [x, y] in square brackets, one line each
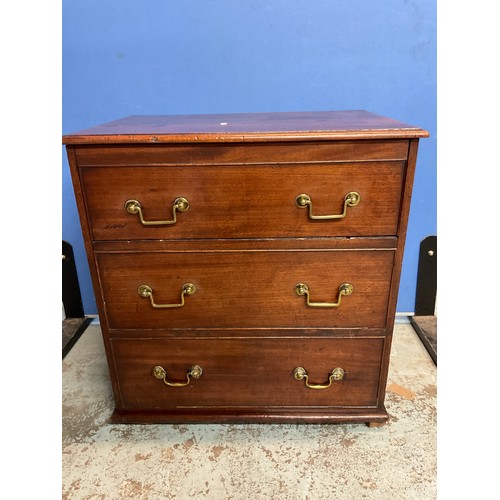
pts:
[246, 266]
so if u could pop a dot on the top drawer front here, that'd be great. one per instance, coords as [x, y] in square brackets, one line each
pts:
[234, 154]
[248, 201]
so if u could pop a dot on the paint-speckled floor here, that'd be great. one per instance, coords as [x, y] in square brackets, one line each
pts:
[219, 462]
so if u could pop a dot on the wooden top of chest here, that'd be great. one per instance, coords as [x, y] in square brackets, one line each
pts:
[246, 127]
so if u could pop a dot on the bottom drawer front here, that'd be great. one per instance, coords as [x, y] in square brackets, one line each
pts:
[247, 372]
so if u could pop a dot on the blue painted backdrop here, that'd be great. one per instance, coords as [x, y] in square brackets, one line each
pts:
[123, 57]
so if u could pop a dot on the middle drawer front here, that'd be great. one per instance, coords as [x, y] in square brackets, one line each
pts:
[246, 289]
[247, 372]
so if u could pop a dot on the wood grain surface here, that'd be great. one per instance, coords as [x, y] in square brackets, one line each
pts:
[243, 202]
[246, 289]
[266, 153]
[247, 372]
[320, 125]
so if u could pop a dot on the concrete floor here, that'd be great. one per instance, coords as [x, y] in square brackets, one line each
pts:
[222, 462]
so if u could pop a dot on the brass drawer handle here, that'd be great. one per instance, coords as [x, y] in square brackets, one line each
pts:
[134, 207]
[194, 372]
[301, 374]
[303, 289]
[146, 291]
[351, 199]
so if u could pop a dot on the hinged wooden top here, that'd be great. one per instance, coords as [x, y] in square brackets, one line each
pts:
[246, 127]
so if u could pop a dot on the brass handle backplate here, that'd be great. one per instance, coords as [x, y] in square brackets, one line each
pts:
[194, 372]
[134, 207]
[351, 199]
[303, 289]
[146, 291]
[336, 374]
